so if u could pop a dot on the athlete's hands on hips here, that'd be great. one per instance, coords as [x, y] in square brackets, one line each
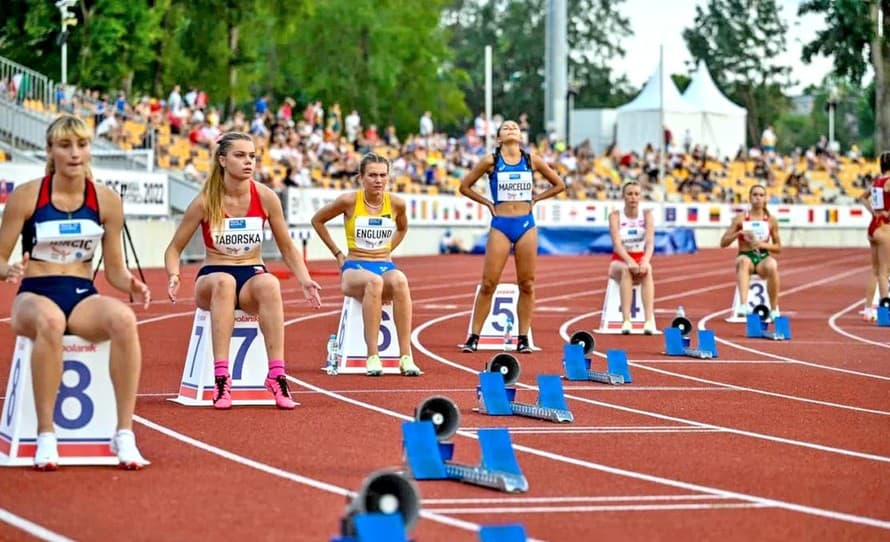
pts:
[312, 291]
[140, 291]
[17, 270]
[490, 206]
[173, 287]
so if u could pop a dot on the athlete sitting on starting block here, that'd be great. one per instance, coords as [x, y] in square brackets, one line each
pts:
[633, 242]
[758, 235]
[62, 219]
[231, 211]
[877, 200]
[376, 224]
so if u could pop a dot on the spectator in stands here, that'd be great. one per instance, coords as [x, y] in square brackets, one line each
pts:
[376, 223]
[334, 124]
[352, 125]
[757, 232]
[511, 176]
[57, 294]
[633, 243]
[426, 126]
[231, 211]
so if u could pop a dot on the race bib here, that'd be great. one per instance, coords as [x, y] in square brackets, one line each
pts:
[515, 186]
[239, 235]
[66, 241]
[373, 232]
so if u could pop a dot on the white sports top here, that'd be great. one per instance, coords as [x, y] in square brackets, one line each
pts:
[760, 228]
[632, 231]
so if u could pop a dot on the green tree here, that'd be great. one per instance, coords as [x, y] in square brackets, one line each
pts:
[852, 35]
[739, 40]
[111, 46]
[515, 30]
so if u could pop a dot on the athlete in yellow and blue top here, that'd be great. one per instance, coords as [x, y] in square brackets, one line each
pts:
[376, 224]
[511, 175]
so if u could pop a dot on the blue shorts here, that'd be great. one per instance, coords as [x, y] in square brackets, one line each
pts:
[514, 227]
[378, 268]
[64, 291]
[241, 273]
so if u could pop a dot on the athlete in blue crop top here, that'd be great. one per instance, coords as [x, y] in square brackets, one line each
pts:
[511, 178]
[231, 211]
[62, 218]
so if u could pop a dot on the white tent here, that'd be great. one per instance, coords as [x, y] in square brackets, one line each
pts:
[639, 121]
[722, 122]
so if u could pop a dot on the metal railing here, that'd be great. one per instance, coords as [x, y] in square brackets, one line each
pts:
[30, 85]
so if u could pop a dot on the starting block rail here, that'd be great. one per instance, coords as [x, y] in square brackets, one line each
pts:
[551, 406]
[498, 468]
[577, 367]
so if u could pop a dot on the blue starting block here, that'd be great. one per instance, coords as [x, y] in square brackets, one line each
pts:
[376, 527]
[551, 405]
[502, 533]
[884, 316]
[498, 468]
[676, 344]
[577, 367]
[756, 328]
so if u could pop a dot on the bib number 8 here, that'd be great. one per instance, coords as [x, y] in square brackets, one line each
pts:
[77, 393]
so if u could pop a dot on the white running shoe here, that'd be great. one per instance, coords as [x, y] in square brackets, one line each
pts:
[47, 455]
[649, 327]
[123, 444]
[774, 314]
[626, 327]
[742, 310]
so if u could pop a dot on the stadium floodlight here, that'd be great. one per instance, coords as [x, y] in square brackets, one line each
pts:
[67, 20]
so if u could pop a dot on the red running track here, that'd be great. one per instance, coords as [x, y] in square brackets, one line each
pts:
[772, 441]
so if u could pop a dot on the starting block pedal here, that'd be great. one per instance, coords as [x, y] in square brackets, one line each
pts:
[577, 366]
[502, 533]
[757, 327]
[427, 460]
[678, 344]
[884, 312]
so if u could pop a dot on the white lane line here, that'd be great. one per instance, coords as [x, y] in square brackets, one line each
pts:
[33, 529]
[280, 473]
[830, 449]
[703, 322]
[804, 509]
[595, 508]
[832, 322]
[646, 388]
[713, 361]
[554, 500]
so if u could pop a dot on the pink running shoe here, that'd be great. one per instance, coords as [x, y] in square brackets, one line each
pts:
[223, 398]
[278, 388]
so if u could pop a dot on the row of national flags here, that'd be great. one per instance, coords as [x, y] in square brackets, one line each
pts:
[455, 210]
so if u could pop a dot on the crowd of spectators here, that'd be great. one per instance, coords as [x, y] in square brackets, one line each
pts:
[321, 145]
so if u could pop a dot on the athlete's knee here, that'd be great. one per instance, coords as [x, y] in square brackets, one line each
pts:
[223, 287]
[121, 322]
[51, 326]
[374, 286]
[397, 281]
[488, 286]
[527, 286]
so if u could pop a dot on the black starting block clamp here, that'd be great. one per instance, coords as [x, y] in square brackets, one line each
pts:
[757, 325]
[428, 450]
[577, 364]
[884, 312]
[497, 395]
[677, 339]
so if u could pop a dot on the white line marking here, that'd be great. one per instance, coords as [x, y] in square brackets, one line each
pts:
[713, 361]
[645, 388]
[293, 477]
[598, 498]
[594, 508]
[33, 529]
[810, 510]
[832, 322]
[704, 321]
